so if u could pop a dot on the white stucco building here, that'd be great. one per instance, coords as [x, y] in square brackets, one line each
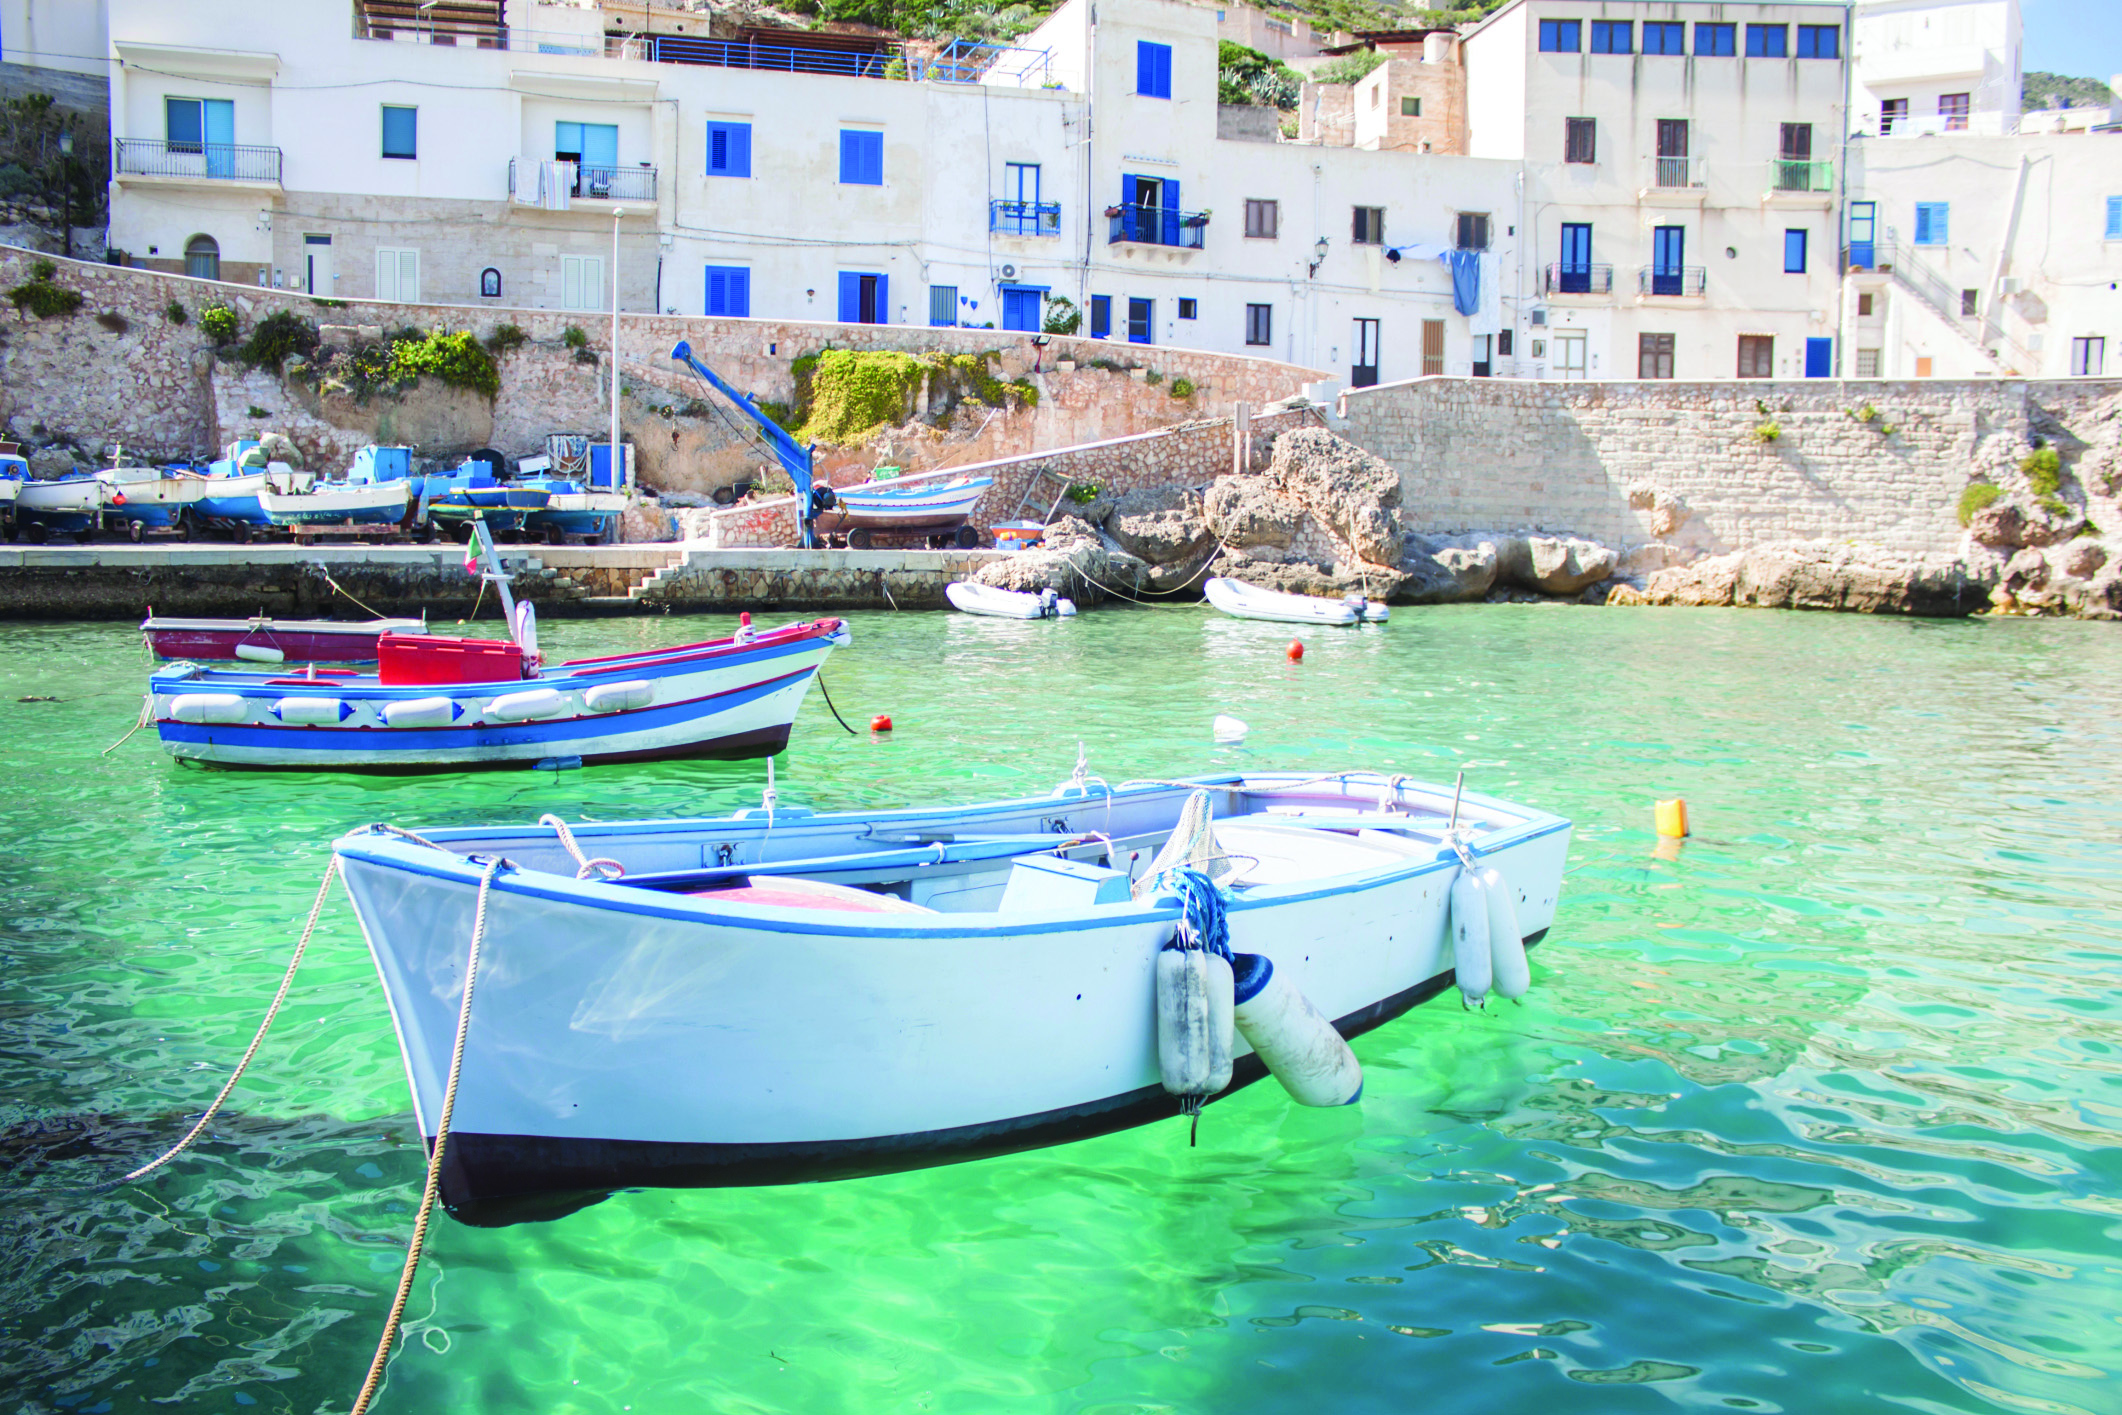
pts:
[1935, 66]
[1680, 182]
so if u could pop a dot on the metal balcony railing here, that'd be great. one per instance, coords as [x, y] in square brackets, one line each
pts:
[228, 162]
[542, 183]
[1677, 280]
[1024, 218]
[1795, 175]
[1677, 173]
[1567, 278]
[1156, 225]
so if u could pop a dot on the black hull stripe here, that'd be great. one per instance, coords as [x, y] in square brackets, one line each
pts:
[491, 1181]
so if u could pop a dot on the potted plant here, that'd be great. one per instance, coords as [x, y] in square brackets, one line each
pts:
[1198, 218]
[1112, 211]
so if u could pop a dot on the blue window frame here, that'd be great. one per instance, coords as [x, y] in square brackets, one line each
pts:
[1613, 37]
[1141, 321]
[1819, 41]
[729, 149]
[861, 157]
[1768, 41]
[1664, 37]
[864, 297]
[1793, 252]
[1153, 69]
[1022, 305]
[2114, 219]
[943, 306]
[1101, 316]
[729, 291]
[1715, 41]
[401, 131]
[1561, 36]
[1933, 223]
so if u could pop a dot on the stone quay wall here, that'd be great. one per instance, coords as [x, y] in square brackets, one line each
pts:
[1192, 454]
[1686, 465]
[119, 372]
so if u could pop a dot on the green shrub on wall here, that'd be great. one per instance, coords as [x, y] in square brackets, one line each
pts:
[219, 323]
[2043, 470]
[1977, 496]
[40, 296]
[851, 394]
[279, 334]
[455, 359]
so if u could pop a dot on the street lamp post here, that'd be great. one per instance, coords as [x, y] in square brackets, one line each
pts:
[620, 479]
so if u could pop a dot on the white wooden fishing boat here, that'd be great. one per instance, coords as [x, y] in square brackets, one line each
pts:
[1243, 601]
[777, 996]
[885, 506]
[334, 503]
[68, 506]
[1007, 604]
[149, 498]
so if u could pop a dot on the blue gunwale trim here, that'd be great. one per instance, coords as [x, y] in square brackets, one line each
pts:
[340, 739]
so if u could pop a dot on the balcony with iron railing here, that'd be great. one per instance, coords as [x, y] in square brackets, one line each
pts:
[197, 161]
[1788, 174]
[534, 181]
[1672, 281]
[1570, 278]
[1677, 174]
[1156, 226]
[1024, 218]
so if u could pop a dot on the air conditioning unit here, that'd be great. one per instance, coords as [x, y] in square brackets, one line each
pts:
[1539, 316]
[1009, 272]
[2009, 285]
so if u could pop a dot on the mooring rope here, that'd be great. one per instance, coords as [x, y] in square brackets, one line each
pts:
[348, 593]
[147, 715]
[434, 1164]
[585, 865]
[819, 678]
[287, 980]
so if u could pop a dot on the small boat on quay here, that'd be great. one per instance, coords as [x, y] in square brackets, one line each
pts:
[1007, 604]
[234, 482]
[778, 995]
[264, 640]
[68, 506]
[332, 503]
[438, 703]
[929, 506]
[472, 492]
[1243, 601]
[144, 499]
[14, 471]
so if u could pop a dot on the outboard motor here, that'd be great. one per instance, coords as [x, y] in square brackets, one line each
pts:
[822, 500]
[1049, 603]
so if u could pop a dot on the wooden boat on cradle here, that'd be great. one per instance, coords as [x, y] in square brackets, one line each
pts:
[1243, 601]
[779, 995]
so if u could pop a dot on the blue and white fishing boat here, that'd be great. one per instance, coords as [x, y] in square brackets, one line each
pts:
[777, 996]
[438, 703]
[143, 499]
[472, 492]
[14, 471]
[572, 509]
[337, 503]
[67, 506]
[927, 506]
[234, 481]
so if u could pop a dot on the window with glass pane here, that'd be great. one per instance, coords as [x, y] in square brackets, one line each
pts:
[1663, 37]
[943, 305]
[2114, 219]
[401, 131]
[1473, 231]
[1716, 41]
[1101, 316]
[1654, 356]
[1892, 113]
[1952, 107]
[1967, 301]
[1757, 356]
[1613, 37]
[1867, 363]
[1263, 219]
[1369, 226]
[1794, 252]
[1560, 36]
[1189, 309]
[1410, 107]
[1819, 41]
[1768, 41]
[1259, 324]
[1580, 140]
[2088, 357]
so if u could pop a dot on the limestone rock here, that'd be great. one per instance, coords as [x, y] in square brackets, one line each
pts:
[646, 521]
[1244, 511]
[1824, 576]
[49, 463]
[1708, 581]
[1566, 566]
[1072, 559]
[1448, 570]
[2001, 524]
[2084, 558]
[1163, 526]
[1352, 493]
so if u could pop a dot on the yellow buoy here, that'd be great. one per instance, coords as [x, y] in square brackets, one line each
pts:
[1672, 819]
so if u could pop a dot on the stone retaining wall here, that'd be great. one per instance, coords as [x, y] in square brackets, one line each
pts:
[1685, 464]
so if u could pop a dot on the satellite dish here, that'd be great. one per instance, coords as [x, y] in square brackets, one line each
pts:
[1009, 272]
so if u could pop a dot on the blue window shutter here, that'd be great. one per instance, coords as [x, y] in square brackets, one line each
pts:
[740, 292]
[861, 158]
[717, 291]
[1794, 252]
[740, 149]
[1171, 212]
[1922, 224]
[182, 118]
[567, 137]
[2114, 218]
[717, 148]
[850, 166]
[1101, 316]
[884, 304]
[1153, 69]
[850, 297]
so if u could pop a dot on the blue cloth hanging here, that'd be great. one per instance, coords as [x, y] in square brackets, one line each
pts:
[1466, 280]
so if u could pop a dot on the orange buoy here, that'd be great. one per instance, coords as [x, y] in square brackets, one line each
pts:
[1671, 819]
[1296, 650]
[880, 723]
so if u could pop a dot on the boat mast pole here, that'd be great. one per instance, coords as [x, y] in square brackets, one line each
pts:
[490, 570]
[620, 480]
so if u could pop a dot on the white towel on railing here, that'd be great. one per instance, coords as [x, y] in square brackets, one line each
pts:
[556, 185]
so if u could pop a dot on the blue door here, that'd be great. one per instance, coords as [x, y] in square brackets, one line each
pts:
[1819, 358]
[1863, 235]
[220, 137]
[595, 148]
[1020, 306]
[1668, 259]
[862, 298]
[1140, 320]
[1575, 267]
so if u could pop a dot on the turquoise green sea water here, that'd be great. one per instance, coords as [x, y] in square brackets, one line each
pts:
[1819, 1114]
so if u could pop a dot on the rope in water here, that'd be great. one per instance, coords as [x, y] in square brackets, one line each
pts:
[348, 593]
[434, 1163]
[147, 715]
[287, 980]
[820, 679]
[585, 865]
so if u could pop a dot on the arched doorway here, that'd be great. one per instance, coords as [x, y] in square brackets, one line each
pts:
[202, 258]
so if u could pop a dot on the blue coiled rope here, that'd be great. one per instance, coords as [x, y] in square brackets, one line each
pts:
[1203, 924]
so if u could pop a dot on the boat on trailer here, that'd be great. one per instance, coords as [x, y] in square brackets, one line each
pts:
[929, 505]
[1243, 601]
[264, 640]
[778, 995]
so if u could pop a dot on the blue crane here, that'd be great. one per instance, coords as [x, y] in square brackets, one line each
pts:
[794, 459]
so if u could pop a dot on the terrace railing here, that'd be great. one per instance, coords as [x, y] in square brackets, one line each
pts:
[1156, 226]
[1672, 280]
[1565, 278]
[1790, 175]
[1677, 173]
[542, 183]
[1024, 218]
[228, 162]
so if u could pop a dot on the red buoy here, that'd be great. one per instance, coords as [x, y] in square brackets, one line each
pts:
[880, 723]
[1296, 650]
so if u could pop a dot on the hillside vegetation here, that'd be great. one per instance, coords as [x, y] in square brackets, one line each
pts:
[972, 19]
[2037, 88]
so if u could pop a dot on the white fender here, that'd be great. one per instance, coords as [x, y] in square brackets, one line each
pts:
[420, 712]
[1300, 1047]
[618, 697]
[312, 712]
[208, 707]
[522, 707]
[259, 653]
[1064, 608]
[1469, 931]
[1228, 729]
[1193, 1021]
[1506, 944]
